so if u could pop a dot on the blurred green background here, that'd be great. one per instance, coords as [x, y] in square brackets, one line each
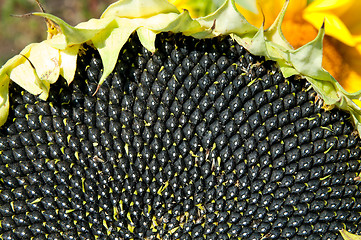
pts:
[16, 32]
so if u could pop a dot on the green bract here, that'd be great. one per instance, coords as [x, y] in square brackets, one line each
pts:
[58, 54]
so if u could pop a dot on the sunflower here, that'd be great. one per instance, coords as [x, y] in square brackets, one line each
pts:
[342, 43]
[189, 137]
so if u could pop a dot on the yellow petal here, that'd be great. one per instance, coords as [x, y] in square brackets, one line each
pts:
[336, 7]
[271, 9]
[334, 26]
[304, 33]
[343, 15]
[295, 7]
[36, 73]
[343, 63]
[46, 60]
[352, 18]
[181, 4]
[4, 98]
[350, 79]
[353, 82]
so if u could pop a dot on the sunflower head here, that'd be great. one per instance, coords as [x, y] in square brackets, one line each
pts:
[41, 64]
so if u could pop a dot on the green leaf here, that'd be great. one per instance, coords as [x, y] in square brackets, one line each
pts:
[139, 8]
[110, 41]
[183, 23]
[287, 70]
[68, 64]
[258, 44]
[147, 38]
[155, 23]
[308, 59]
[227, 20]
[326, 89]
[76, 35]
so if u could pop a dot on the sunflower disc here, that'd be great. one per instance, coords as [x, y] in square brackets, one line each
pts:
[200, 140]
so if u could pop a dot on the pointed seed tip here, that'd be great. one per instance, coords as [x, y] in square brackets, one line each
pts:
[323, 23]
